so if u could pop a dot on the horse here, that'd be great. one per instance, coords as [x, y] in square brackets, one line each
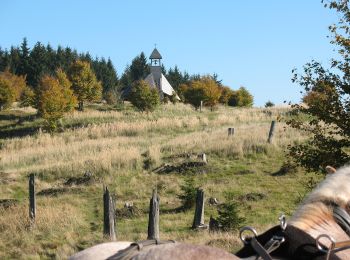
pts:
[319, 229]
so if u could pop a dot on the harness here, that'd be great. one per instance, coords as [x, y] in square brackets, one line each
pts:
[135, 248]
[292, 243]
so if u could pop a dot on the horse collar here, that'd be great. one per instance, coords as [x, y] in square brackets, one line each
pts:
[342, 218]
[297, 245]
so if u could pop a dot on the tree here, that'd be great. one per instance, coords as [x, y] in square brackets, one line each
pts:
[228, 216]
[84, 83]
[70, 100]
[327, 101]
[106, 73]
[143, 97]
[11, 88]
[138, 70]
[241, 98]
[226, 93]
[54, 98]
[212, 92]
[205, 89]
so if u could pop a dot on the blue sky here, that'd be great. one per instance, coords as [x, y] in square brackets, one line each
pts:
[253, 43]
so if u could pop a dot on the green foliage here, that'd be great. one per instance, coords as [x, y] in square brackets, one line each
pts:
[269, 104]
[326, 94]
[188, 195]
[228, 216]
[84, 83]
[11, 88]
[138, 70]
[143, 97]
[41, 60]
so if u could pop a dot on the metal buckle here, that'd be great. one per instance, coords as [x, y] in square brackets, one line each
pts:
[283, 222]
[246, 228]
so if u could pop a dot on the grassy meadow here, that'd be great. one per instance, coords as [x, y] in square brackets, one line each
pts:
[120, 148]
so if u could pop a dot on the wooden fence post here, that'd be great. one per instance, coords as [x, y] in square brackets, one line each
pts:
[230, 131]
[153, 218]
[201, 106]
[108, 215]
[198, 220]
[32, 209]
[272, 130]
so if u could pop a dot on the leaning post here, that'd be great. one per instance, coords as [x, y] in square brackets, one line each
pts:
[272, 130]
[108, 215]
[201, 106]
[32, 209]
[198, 220]
[153, 218]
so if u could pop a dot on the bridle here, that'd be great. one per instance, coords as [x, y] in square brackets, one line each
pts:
[289, 242]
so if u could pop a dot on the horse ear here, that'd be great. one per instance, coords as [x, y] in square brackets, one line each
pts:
[330, 169]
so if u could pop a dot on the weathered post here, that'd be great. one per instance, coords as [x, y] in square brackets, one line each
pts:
[153, 218]
[32, 209]
[230, 131]
[203, 157]
[108, 215]
[201, 106]
[198, 220]
[272, 130]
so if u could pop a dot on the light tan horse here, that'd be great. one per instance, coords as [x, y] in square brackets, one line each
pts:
[322, 217]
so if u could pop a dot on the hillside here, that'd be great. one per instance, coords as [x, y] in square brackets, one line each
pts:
[120, 149]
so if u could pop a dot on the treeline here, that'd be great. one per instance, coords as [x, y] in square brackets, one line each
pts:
[44, 60]
[22, 65]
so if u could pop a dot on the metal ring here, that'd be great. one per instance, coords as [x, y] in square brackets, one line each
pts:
[283, 222]
[246, 228]
[323, 249]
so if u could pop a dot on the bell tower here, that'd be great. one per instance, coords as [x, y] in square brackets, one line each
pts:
[156, 69]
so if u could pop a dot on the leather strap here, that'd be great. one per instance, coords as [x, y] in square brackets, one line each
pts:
[342, 218]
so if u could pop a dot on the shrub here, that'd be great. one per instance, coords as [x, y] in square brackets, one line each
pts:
[143, 97]
[228, 216]
[269, 104]
[188, 195]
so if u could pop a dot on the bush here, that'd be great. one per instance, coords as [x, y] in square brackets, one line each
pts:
[189, 192]
[269, 104]
[143, 97]
[228, 216]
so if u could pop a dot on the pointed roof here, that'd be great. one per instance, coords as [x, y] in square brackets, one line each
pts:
[155, 54]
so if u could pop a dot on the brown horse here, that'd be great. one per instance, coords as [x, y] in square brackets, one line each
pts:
[319, 229]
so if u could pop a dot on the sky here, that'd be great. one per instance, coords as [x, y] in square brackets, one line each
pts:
[254, 44]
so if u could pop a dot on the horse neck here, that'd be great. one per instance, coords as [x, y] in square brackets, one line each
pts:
[316, 219]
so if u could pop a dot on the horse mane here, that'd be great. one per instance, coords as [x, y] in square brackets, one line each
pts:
[315, 214]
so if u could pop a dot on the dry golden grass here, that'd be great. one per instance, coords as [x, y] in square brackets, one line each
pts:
[114, 145]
